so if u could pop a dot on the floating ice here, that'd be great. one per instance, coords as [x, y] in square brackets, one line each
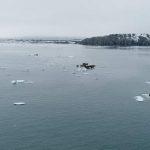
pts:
[14, 82]
[79, 69]
[146, 95]
[139, 98]
[19, 103]
[3, 67]
[83, 69]
[21, 81]
[147, 82]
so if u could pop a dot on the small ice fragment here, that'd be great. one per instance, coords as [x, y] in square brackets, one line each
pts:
[83, 69]
[146, 95]
[20, 81]
[79, 69]
[19, 103]
[14, 82]
[139, 98]
[147, 82]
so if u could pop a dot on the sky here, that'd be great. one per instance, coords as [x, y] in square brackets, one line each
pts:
[73, 18]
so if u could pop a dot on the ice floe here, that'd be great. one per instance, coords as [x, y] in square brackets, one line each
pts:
[147, 82]
[20, 81]
[20, 103]
[146, 96]
[139, 98]
[14, 82]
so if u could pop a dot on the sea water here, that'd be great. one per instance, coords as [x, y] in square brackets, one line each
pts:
[67, 109]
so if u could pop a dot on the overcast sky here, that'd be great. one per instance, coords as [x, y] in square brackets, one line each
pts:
[73, 17]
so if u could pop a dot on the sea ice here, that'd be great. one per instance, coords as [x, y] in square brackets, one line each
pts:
[21, 81]
[19, 103]
[14, 82]
[147, 82]
[146, 95]
[139, 98]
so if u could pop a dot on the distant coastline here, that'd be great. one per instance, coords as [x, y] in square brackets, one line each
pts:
[123, 40]
[41, 40]
[118, 40]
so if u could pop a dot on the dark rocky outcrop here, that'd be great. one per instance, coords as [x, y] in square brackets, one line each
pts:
[118, 40]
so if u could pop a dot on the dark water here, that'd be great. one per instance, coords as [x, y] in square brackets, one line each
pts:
[67, 111]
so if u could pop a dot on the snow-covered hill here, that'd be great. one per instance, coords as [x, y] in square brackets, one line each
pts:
[119, 40]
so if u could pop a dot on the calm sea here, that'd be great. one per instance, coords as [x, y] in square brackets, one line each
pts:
[67, 109]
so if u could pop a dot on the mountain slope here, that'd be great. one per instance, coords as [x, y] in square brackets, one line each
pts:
[118, 40]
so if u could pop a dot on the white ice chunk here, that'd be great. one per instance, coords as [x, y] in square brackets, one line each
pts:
[14, 82]
[147, 82]
[19, 103]
[139, 98]
[20, 81]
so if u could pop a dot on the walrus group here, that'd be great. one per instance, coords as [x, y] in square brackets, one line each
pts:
[86, 65]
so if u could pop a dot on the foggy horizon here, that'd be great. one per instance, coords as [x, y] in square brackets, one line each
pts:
[68, 18]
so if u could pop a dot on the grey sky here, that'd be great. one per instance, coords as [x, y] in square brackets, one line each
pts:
[73, 17]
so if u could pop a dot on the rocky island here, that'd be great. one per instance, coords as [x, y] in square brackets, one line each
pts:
[118, 40]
